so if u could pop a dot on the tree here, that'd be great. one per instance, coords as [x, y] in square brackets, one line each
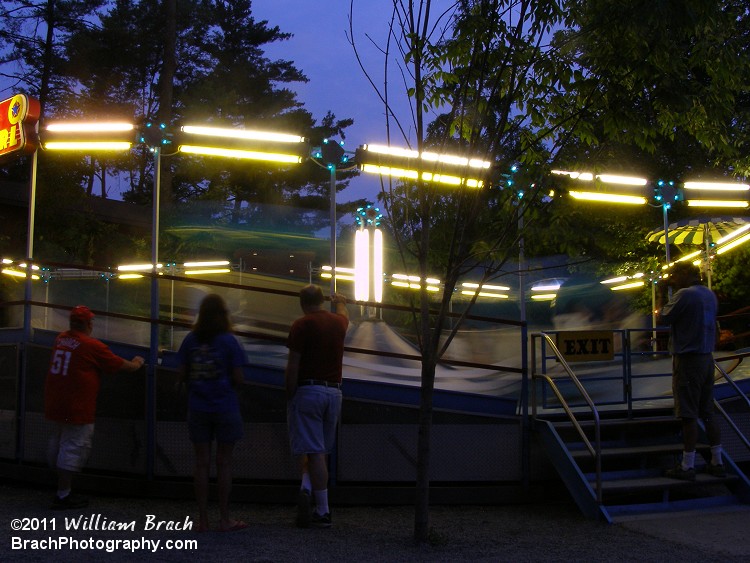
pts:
[177, 62]
[536, 83]
[486, 71]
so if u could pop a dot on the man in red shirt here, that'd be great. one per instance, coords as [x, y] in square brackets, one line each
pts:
[313, 391]
[70, 392]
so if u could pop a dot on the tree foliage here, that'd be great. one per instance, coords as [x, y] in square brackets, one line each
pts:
[597, 84]
[192, 61]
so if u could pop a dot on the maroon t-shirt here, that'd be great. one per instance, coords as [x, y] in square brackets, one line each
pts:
[318, 338]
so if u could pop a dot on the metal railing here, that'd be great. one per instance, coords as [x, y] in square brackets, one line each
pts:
[740, 394]
[594, 449]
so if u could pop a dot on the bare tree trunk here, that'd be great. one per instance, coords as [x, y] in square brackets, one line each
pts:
[44, 87]
[166, 90]
[424, 441]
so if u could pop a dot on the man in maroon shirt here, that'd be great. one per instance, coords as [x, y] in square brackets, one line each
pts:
[70, 392]
[313, 391]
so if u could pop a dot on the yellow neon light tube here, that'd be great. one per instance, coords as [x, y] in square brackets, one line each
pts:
[88, 145]
[608, 198]
[242, 154]
[246, 134]
[717, 203]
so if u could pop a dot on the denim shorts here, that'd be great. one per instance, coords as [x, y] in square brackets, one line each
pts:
[70, 445]
[312, 416]
[224, 427]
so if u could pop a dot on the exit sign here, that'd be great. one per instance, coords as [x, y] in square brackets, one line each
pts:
[586, 345]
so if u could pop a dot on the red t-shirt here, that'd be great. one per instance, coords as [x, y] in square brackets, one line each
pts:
[72, 383]
[319, 339]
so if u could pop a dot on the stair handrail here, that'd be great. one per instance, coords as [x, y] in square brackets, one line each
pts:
[596, 449]
[724, 413]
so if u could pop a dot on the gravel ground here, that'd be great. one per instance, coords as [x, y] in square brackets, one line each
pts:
[363, 534]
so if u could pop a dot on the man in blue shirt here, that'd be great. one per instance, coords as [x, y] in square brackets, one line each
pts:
[691, 316]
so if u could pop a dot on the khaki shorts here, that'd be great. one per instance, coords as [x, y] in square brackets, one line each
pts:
[70, 445]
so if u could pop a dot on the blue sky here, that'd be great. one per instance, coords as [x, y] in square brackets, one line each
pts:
[320, 49]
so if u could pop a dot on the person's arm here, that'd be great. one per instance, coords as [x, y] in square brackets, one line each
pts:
[132, 365]
[339, 305]
[291, 373]
[672, 309]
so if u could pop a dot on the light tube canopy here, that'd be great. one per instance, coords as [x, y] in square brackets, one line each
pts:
[88, 136]
[246, 144]
[454, 170]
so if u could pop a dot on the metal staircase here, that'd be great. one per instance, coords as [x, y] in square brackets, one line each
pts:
[633, 455]
[613, 461]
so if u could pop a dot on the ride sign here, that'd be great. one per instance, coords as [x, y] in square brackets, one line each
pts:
[18, 118]
[586, 345]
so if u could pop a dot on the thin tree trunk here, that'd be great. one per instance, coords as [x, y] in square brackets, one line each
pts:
[424, 441]
[166, 90]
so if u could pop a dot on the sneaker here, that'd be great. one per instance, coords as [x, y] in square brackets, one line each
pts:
[304, 509]
[321, 520]
[679, 473]
[69, 502]
[716, 470]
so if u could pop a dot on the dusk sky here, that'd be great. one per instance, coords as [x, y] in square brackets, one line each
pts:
[320, 48]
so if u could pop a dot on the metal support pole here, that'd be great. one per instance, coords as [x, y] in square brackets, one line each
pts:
[665, 214]
[30, 250]
[27, 295]
[154, 342]
[332, 168]
[526, 430]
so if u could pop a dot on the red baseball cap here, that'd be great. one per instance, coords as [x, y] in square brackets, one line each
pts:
[81, 313]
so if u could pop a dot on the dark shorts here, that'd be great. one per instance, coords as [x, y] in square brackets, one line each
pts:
[693, 385]
[224, 427]
[312, 417]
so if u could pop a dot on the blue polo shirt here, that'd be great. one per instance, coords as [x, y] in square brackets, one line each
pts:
[691, 316]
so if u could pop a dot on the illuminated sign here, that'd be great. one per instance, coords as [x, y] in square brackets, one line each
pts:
[18, 117]
[586, 346]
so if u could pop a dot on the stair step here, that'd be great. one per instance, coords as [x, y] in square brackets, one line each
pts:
[580, 451]
[625, 512]
[627, 422]
[634, 455]
[641, 484]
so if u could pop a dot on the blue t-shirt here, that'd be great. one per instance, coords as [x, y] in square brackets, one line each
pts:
[209, 367]
[691, 315]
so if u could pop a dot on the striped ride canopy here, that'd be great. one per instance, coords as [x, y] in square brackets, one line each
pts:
[694, 231]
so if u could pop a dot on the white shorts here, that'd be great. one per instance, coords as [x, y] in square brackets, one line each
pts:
[70, 445]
